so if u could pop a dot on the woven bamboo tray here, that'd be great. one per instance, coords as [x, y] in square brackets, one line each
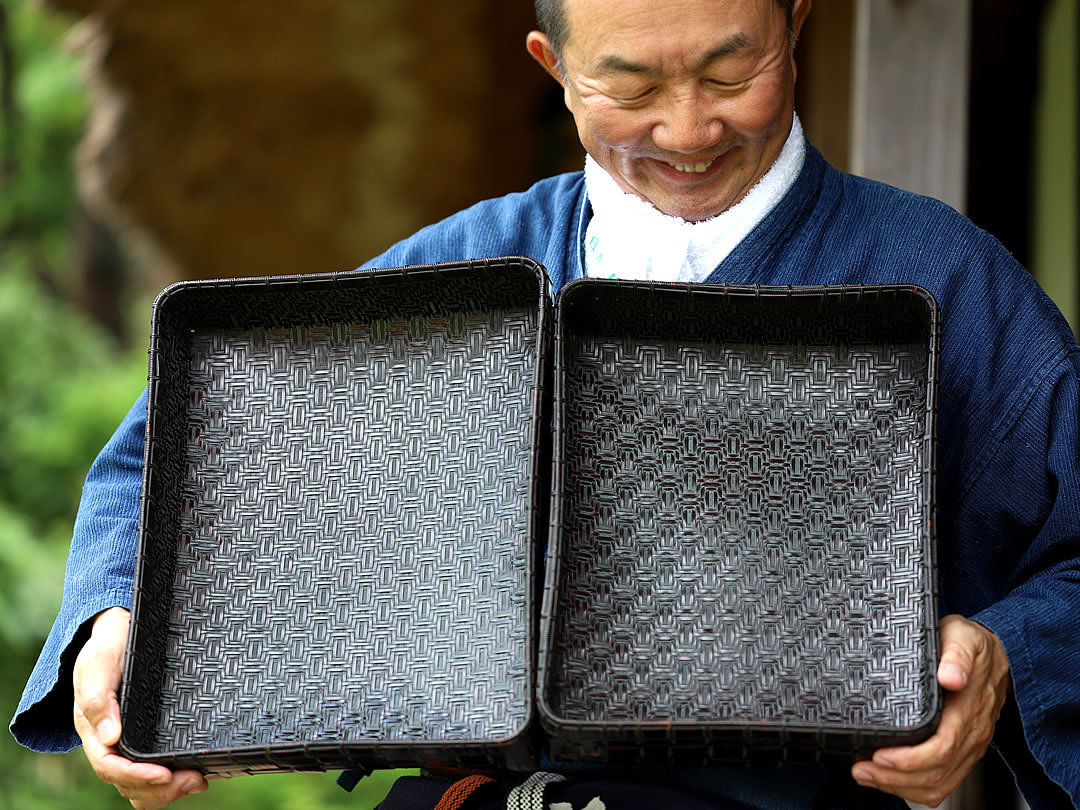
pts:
[741, 556]
[343, 490]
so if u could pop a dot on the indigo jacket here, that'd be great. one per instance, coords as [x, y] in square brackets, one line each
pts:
[1008, 463]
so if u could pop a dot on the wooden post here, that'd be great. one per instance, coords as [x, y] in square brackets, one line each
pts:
[1055, 213]
[823, 91]
[910, 95]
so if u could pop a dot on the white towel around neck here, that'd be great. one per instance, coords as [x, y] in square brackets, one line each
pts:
[628, 238]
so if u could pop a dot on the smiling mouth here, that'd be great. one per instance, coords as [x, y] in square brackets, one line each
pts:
[691, 168]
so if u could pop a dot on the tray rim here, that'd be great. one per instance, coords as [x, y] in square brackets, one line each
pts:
[340, 753]
[621, 732]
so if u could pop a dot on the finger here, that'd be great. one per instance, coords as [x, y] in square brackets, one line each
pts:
[960, 644]
[929, 787]
[97, 674]
[146, 784]
[101, 711]
[158, 797]
[952, 676]
[185, 783]
[947, 745]
[113, 768]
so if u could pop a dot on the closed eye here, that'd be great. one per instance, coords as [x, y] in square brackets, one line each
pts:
[634, 98]
[726, 86]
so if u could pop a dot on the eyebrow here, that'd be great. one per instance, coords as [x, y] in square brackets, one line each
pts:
[616, 64]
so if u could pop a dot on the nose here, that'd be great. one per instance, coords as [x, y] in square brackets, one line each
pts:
[688, 124]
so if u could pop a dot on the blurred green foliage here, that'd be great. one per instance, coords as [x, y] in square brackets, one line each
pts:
[64, 386]
[38, 134]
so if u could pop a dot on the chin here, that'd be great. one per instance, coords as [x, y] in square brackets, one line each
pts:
[692, 213]
[699, 216]
[697, 206]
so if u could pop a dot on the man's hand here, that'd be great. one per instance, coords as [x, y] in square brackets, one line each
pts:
[97, 721]
[975, 674]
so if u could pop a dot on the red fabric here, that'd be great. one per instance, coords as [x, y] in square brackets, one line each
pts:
[459, 792]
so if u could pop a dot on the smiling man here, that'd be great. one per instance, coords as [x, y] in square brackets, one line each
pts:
[697, 170]
[687, 109]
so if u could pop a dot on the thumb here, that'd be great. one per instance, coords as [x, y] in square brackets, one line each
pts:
[97, 674]
[958, 649]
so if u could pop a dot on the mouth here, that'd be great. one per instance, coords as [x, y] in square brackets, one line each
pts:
[688, 174]
[692, 168]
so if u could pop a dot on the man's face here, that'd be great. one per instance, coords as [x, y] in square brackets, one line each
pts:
[686, 103]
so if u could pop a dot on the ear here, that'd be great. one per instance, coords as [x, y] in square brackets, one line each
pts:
[798, 14]
[798, 17]
[539, 47]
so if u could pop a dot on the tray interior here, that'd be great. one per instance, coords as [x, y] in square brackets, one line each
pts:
[745, 509]
[338, 523]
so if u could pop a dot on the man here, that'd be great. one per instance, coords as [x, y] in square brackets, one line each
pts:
[697, 170]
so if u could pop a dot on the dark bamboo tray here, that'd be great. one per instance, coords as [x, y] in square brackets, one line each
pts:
[342, 495]
[741, 556]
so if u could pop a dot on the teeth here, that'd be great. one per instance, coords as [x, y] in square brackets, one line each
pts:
[691, 168]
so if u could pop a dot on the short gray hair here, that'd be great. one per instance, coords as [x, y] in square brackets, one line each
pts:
[551, 20]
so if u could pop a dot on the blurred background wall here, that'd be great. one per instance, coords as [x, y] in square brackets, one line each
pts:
[143, 143]
[265, 138]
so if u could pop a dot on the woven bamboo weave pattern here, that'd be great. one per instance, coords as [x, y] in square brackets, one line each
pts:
[745, 511]
[352, 526]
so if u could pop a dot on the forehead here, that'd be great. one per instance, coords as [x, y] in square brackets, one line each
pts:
[662, 29]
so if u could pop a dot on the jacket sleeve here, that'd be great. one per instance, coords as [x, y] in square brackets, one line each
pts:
[99, 574]
[1027, 503]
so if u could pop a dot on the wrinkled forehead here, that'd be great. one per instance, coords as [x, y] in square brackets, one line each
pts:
[661, 29]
